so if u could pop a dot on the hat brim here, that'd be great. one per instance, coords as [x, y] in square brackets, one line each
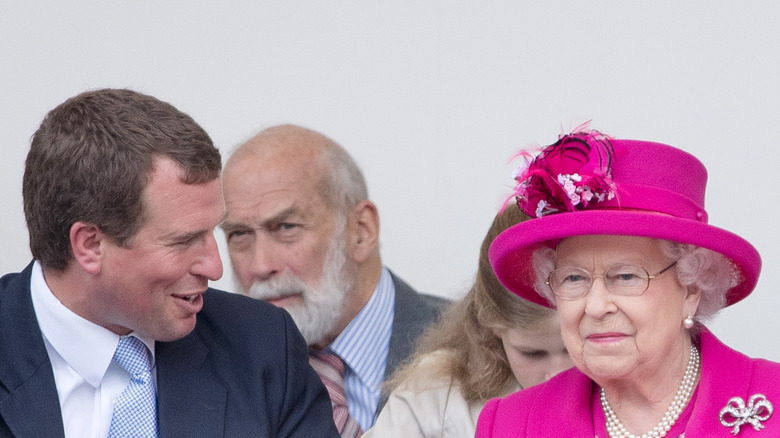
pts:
[511, 252]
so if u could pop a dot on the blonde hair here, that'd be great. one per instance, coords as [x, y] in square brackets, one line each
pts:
[475, 357]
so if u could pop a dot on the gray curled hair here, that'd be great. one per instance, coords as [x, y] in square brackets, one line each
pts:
[708, 271]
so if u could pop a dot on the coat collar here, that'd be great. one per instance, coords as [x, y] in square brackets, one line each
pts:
[725, 374]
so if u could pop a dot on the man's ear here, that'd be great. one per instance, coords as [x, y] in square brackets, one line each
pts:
[86, 243]
[362, 230]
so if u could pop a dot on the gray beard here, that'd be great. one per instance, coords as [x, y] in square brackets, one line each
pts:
[322, 306]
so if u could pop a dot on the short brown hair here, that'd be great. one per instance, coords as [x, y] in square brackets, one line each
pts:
[91, 159]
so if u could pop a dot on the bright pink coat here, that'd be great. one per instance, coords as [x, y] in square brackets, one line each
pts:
[562, 406]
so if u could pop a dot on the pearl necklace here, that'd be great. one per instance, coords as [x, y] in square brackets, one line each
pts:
[616, 429]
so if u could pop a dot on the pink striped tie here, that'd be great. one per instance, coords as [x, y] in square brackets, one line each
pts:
[331, 370]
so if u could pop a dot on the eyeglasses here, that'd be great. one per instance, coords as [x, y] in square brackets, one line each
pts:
[627, 280]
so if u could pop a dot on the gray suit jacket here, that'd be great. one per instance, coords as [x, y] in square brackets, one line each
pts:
[414, 312]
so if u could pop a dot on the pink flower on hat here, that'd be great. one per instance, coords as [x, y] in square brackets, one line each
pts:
[569, 175]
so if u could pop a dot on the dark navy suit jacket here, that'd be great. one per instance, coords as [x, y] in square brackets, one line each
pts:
[243, 371]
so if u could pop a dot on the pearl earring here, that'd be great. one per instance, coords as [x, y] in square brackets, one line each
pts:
[688, 322]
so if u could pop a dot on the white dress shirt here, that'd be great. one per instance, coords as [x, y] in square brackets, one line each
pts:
[81, 353]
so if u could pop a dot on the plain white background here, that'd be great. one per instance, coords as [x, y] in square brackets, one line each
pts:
[431, 98]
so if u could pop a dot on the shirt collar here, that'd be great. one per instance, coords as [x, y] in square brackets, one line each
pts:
[94, 350]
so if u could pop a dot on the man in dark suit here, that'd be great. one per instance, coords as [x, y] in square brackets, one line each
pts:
[303, 235]
[121, 197]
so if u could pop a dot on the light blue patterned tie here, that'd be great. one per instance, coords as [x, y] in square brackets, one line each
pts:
[135, 412]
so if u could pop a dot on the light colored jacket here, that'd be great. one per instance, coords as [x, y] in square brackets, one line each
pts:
[563, 407]
[421, 408]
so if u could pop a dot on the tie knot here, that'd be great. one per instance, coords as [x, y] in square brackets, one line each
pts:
[329, 365]
[132, 355]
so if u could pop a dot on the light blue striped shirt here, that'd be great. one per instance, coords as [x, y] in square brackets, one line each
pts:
[364, 345]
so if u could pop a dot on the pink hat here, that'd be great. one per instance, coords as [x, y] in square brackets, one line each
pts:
[587, 183]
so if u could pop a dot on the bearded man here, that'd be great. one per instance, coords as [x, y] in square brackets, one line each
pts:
[303, 235]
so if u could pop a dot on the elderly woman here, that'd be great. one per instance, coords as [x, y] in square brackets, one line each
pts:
[620, 245]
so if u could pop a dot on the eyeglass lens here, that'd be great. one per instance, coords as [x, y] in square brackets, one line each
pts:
[573, 282]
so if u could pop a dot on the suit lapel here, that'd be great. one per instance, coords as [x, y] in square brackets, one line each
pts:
[404, 316]
[190, 402]
[413, 314]
[725, 373]
[29, 404]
